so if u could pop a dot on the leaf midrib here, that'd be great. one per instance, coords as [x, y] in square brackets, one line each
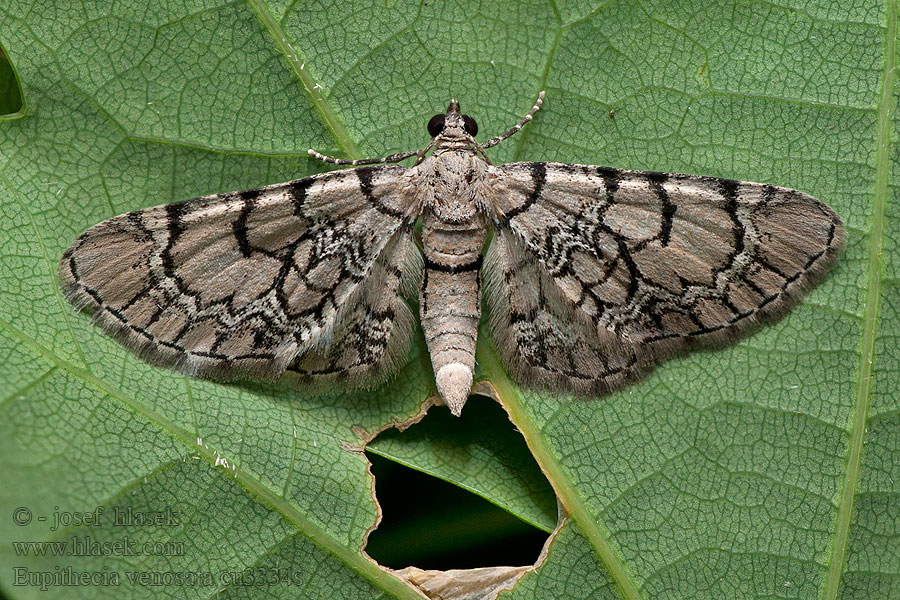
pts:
[594, 530]
[837, 559]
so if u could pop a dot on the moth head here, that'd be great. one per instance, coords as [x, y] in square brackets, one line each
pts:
[452, 124]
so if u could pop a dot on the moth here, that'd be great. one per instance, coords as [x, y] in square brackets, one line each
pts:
[592, 276]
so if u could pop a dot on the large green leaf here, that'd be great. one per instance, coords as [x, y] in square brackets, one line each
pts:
[770, 469]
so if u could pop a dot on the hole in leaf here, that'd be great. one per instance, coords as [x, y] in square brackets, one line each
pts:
[430, 523]
[10, 92]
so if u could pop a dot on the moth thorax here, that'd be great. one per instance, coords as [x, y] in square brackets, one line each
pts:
[457, 182]
[457, 211]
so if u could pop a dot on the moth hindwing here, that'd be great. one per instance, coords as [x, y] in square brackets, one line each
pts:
[593, 274]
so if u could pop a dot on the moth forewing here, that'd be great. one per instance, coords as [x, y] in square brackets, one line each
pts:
[242, 290]
[683, 261]
[593, 275]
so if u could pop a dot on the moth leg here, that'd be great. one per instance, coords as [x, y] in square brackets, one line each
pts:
[480, 150]
[391, 158]
[421, 153]
[496, 140]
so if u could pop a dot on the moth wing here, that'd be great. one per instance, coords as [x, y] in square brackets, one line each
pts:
[371, 338]
[665, 262]
[240, 284]
[542, 338]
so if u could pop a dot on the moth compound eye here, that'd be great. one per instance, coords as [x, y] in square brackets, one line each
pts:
[436, 125]
[470, 125]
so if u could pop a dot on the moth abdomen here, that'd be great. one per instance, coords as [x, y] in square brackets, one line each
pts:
[450, 301]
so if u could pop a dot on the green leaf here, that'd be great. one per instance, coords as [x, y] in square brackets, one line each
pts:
[480, 452]
[769, 469]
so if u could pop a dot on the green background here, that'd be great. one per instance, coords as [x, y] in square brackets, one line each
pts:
[769, 470]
